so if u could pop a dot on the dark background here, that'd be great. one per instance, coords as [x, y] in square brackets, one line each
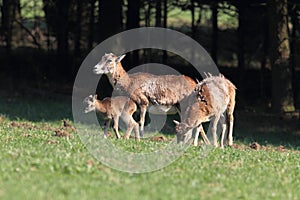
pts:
[255, 43]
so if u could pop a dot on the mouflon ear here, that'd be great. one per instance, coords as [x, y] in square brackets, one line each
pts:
[119, 58]
[86, 99]
[95, 97]
[176, 122]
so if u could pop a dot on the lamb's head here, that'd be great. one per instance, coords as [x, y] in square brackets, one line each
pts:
[90, 103]
[183, 132]
[108, 64]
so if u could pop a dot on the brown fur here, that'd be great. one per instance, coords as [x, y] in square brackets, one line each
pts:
[145, 88]
[112, 109]
[212, 97]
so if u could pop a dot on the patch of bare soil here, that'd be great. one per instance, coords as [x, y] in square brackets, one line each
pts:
[52, 142]
[29, 126]
[61, 133]
[158, 138]
[109, 134]
[281, 148]
[22, 125]
[255, 146]
[131, 137]
[90, 163]
[47, 127]
[26, 134]
[239, 146]
[1, 118]
[67, 125]
[65, 130]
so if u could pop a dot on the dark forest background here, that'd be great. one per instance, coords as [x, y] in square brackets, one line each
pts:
[254, 42]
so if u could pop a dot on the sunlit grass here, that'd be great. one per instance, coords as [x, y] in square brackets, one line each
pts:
[35, 163]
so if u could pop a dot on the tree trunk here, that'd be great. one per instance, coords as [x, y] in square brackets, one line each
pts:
[148, 14]
[10, 12]
[148, 8]
[110, 18]
[265, 61]
[193, 18]
[91, 24]
[62, 26]
[241, 43]
[265, 57]
[158, 13]
[57, 15]
[133, 15]
[133, 21]
[241, 32]
[165, 12]
[214, 46]
[57, 18]
[49, 16]
[7, 12]
[77, 47]
[295, 23]
[282, 94]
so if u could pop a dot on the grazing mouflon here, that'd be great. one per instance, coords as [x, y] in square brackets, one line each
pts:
[212, 100]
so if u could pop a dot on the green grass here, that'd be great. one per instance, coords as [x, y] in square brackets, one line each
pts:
[35, 164]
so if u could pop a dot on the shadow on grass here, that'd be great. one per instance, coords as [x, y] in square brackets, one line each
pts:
[260, 127]
[35, 108]
[266, 129]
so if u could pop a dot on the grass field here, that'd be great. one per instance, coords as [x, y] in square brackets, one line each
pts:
[43, 159]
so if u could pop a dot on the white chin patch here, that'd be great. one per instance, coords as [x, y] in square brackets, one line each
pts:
[96, 69]
[180, 142]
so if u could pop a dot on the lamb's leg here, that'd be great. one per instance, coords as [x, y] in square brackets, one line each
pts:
[142, 119]
[203, 135]
[106, 126]
[136, 130]
[128, 131]
[125, 118]
[214, 130]
[116, 126]
[131, 124]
